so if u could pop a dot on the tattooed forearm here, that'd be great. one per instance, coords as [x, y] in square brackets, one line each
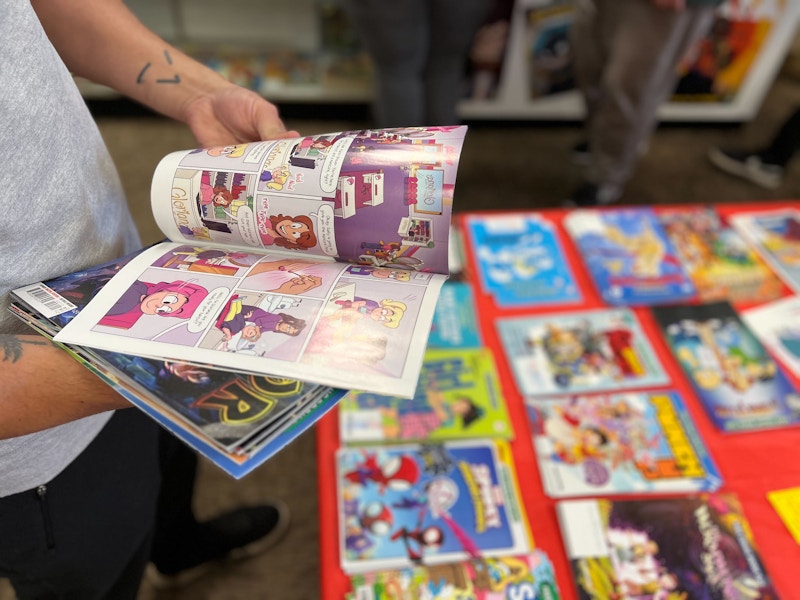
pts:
[168, 59]
[12, 345]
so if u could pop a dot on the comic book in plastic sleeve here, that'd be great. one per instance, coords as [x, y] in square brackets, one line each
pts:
[426, 504]
[581, 351]
[520, 259]
[609, 444]
[722, 265]
[740, 385]
[529, 576]
[629, 256]
[777, 325]
[458, 396]
[698, 546]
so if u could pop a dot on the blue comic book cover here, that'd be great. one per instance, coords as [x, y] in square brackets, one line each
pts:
[580, 351]
[698, 547]
[222, 414]
[607, 444]
[740, 385]
[401, 506]
[455, 319]
[520, 260]
[629, 256]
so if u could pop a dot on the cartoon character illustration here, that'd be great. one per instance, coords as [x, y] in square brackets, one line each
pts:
[164, 299]
[646, 250]
[253, 321]
[235, 151]
[419, 540]
[289, 232]
[218, 194]
[417, 418]
[379, 273]
[284, 276]
[386, 312]
[276, 178]
[397, 473]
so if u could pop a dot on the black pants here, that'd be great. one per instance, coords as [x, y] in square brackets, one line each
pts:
[87, 533]
[785, 143]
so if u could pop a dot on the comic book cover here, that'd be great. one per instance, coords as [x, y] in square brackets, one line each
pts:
[579, 351]
[549, 50]
[612, 444]
[231, 418]
[777, 326]
[719, 261]
[528, 576]
[629, 256]
[520, 260]
[425, 504]
[699, 547]
[738, 383]
[458, 396]
[776, 235]
[455, 319]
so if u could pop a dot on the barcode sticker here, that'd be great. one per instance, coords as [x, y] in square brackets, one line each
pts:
[44, 300]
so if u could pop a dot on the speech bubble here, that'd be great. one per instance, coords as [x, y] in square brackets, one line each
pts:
[247, 226]
[208, 309]
[325, 230]
[334, 157]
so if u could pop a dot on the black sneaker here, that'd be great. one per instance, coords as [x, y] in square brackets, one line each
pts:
[590, 194]
[230, 537]
[580, 154]
[747, 165]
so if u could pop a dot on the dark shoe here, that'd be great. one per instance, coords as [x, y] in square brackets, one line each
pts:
[747, 165]
[580, 154]
[590, 194]
[233, 536]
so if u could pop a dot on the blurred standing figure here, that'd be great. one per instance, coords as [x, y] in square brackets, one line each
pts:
[420, 50]
[626, 54]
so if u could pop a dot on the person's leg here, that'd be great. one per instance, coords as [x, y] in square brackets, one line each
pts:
[589, 53]
[453, 25]
[785, 143]
[644, 45]
[86, 533]
[395, 36]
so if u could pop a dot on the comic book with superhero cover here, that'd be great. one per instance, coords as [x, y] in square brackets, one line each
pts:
[581, 351]
[722, 265]
[520, 260]
[529, 576]
[609, 444]
[427, 504]
[235, 420]
[775, 234]
[458, 396]
[777, 325]
[699, 547]
[741, 386]
[629, 256]
[317, 258]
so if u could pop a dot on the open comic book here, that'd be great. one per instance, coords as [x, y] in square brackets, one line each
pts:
[317, 258]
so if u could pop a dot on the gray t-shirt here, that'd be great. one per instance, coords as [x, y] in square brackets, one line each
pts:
[64, 210]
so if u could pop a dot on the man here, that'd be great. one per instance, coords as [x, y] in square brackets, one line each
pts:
[79, 483]
[626, 54]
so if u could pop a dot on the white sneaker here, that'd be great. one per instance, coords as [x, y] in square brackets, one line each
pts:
[747, 165]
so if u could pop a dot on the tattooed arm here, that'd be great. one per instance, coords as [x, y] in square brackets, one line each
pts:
[34, 373]
[104, 42]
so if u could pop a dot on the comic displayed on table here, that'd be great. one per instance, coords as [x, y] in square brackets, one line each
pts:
[580, 351]
[425, 504]
[777, 326]
[721, 264]
[635, 443]
[776, 235]
[629, 256]
[458, 396]
[520, 260]
[455, 319]
[738, 383]
[680, 547]
[527, 576]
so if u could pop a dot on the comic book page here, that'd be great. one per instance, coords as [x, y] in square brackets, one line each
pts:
[520, 260]
[681, 547]
[401, 506]
[527, 576]
[776, 235]
[718, 260]
[299, 317]
[629, 256]
[777, 326]
[739, 384]
[458, 396]
[634, 443]
[371, 197]
[579, 351]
